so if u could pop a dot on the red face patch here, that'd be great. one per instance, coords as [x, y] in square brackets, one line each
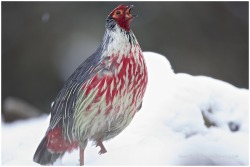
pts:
[122, 16]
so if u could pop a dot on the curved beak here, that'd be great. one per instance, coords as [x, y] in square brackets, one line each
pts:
[128, 12]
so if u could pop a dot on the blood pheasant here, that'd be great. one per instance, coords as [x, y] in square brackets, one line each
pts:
[101, 97]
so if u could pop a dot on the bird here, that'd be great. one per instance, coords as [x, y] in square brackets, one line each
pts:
[100, 98]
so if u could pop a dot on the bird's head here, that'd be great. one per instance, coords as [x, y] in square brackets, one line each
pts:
[122, 16]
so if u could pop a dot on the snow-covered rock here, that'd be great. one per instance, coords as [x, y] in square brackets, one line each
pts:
[170, 129]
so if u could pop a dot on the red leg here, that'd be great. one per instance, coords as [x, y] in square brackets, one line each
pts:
[103, 149]
[81, 156]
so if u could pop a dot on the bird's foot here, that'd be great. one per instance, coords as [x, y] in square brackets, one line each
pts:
[81, 156]
[100, 144]
[102, 151]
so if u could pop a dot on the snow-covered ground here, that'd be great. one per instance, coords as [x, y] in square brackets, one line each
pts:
[168, 130]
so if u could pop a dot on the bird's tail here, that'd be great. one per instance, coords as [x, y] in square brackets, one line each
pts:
[43, 156]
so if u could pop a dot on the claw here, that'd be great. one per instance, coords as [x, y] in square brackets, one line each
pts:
[103, 149]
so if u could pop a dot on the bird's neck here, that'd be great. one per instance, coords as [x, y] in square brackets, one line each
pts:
[118, 42]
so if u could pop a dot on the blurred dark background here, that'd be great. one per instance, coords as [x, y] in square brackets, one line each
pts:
[43, 42]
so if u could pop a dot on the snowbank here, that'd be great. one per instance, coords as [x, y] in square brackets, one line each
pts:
[184, 120]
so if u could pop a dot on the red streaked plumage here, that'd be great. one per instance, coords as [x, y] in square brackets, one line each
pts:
[57, 143]
[101, 97]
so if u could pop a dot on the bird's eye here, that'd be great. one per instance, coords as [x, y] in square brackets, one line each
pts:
[118, 12]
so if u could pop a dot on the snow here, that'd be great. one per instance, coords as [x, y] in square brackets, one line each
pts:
[168, 130]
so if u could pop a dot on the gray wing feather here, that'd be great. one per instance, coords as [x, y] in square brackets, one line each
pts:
[64, 104]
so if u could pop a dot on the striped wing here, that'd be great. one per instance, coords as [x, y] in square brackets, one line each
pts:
[64, 104]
